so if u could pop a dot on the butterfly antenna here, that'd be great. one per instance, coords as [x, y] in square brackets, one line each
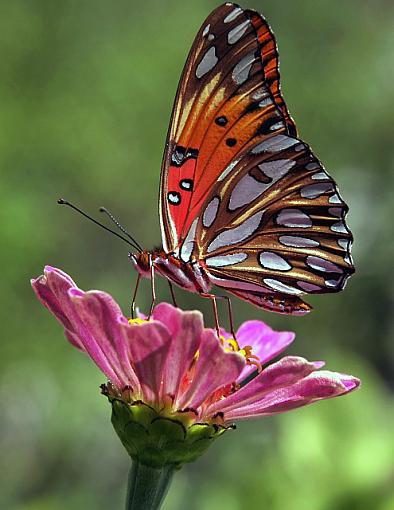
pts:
[120, 227]
[61, 201]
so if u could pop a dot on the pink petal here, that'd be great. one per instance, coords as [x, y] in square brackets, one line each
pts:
[102, 333]
[51, 289]
[185, 329]
[92, 323]
[284, 372]
[316, 386]
[214, 369]
[266, 343]
[149, 346]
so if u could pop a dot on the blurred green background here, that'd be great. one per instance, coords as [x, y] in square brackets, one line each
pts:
[86, 90]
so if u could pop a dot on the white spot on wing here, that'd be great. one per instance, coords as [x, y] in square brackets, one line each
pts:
[293, 218]
[206, 30]
[339, 227]
[322, 264]
[315, 190]
[248, 188]
[236, 33]
[245, 191]
[335, 199]
[210, 212]
[226, 260]
[188, 244]
[260, 94]
[242, 69]
[280, 286]
[274, 144]
[237, 234]
[233, 14]
[266, 102]
[298, 242]
[271, 260]
[207, 63]
[278, 168]
[332, 283]
[277, 125]
[312, 166]
[344, 243]
[319, 176]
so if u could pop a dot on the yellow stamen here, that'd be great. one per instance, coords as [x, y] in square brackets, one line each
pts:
[137, 321]
[251, 359]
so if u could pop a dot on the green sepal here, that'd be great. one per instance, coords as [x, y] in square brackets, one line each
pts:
[156, 439]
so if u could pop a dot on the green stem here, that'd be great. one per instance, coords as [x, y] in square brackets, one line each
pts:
[147, 486]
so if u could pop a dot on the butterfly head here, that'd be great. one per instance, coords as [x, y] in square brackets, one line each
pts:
[142, 262]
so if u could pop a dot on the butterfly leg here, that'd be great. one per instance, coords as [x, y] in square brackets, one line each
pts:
[132, 307]
[172, 293]
[230, 314]
[153, 288]
[213, 298]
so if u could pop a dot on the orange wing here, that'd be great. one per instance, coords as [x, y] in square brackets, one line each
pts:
[228, 99]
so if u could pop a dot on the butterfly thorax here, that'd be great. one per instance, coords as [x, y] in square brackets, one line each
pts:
[189, 276]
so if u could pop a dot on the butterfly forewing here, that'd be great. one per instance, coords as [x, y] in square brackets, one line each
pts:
[223, 105]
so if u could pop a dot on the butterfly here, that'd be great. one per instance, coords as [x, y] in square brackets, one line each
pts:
[245, 205]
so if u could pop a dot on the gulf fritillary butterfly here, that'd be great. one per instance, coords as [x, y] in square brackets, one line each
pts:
[245, 205]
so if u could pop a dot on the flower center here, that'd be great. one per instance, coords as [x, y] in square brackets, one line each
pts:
[137, 321]
[246, 351]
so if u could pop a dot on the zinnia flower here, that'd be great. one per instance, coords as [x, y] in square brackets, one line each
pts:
[173, 384]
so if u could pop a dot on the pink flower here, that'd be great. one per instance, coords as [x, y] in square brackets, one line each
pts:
[175, 365]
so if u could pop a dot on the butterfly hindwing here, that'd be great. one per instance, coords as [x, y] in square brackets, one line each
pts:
[277, 222]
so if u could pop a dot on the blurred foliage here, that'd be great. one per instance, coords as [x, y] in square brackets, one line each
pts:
[86, 93]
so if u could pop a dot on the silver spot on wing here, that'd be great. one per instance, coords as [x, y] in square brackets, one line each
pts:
[278, 168]
[233, 14]
[280, 286]
[335, 199]
[210, 212]
[248, 188]
[188, 243]
[207, 63]
[226, 260]
[312, 166]
[270, 260]
[322, 264]
[274, 144]
[344, 243]
[236, 33]
[319, 176]
[315, 190]
[242, 69]
[236, 234]
[339, 227]
[298, 242]
[293, 218]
